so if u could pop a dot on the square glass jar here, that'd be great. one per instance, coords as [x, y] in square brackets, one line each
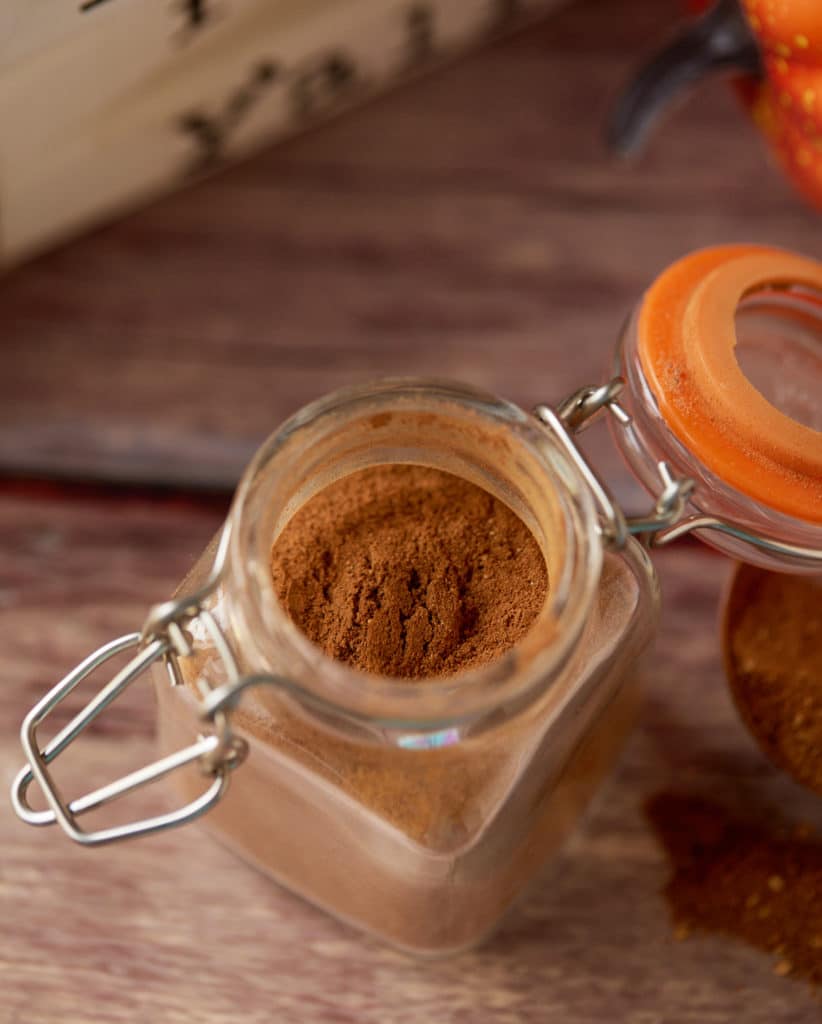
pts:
[416, 810]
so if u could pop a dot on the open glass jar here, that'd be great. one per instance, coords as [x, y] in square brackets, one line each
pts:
[421, 812]
[418, 811]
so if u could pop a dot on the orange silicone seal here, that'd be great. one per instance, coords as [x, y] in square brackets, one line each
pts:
[687, 336]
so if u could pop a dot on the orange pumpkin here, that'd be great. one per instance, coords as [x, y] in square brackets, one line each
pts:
[787, 104]
[776, 46]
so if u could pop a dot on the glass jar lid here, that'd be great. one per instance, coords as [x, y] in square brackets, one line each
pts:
[720, 390]
[687, 341]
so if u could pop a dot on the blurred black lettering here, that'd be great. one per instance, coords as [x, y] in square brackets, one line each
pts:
[211, 132]
[319, 85]
[197, 12]
[208, 134]
[420, 33]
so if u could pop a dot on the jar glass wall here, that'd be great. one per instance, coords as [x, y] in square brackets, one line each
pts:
[419, 811]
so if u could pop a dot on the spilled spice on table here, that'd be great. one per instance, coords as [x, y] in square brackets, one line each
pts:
[736, 878]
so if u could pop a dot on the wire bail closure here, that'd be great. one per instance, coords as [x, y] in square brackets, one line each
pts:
[576, 414]
[669, 519]
[218, 753]
[166, 636]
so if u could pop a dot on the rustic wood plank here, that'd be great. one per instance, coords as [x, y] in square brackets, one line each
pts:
[469, 225]
[175, 928]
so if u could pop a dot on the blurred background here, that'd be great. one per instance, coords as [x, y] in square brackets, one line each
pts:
[469, 224]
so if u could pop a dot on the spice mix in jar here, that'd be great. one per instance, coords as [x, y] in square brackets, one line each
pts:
[399, 673]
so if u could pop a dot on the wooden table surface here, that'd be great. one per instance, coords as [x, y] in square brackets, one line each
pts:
[470, 226]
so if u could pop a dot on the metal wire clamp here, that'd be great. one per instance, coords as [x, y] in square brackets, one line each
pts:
[669, 519]
[576, 414]
[217, 753]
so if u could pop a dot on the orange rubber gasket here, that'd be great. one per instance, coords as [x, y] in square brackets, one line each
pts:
[687, 336]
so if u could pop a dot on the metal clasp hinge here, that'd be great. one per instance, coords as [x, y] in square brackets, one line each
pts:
[217, 753]
[576, 414]
[669, 519]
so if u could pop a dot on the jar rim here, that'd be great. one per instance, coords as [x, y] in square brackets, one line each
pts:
[507, 683]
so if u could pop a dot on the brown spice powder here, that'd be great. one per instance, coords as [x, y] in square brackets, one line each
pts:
[734, 878]
[773, 648]
[409, 572]
[437, 796]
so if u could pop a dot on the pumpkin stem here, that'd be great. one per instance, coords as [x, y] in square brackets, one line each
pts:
[718, 41]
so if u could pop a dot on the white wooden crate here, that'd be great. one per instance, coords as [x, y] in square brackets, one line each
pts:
[106, 103]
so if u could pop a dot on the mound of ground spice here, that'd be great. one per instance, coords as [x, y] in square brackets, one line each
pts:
[734, 878]
[410, 572]
[773, 654]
